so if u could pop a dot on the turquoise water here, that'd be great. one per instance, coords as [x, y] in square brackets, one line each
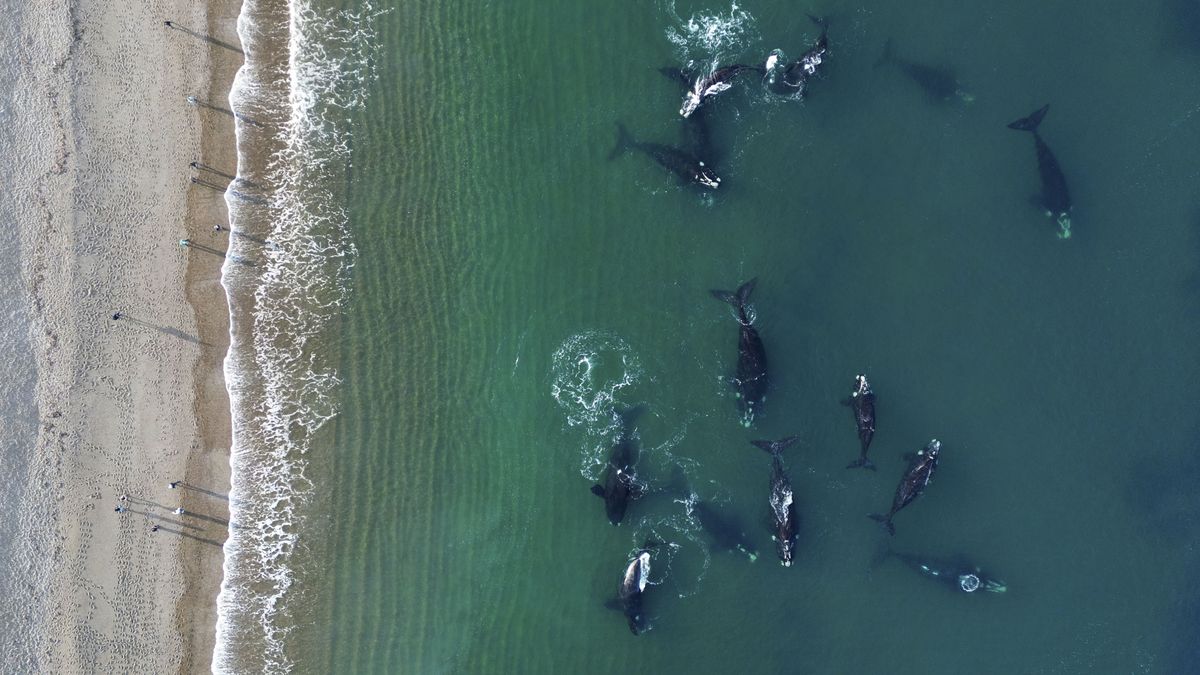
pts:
[512, 287]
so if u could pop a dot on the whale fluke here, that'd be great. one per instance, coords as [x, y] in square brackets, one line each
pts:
[887, 522]
[776, 447]
[737, 298]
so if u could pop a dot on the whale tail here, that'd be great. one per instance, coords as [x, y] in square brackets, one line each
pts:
[1030, 123]
[776, 447]
[886, 520]
[624, 141]
[737, 298]
[861, 462]
[887, 56]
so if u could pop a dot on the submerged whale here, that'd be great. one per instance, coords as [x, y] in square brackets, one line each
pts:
[916, 477]
[938, 83]
[783, 503]
[688, 167]
[711, 84]
[1055, 197]
[619, 484]
[958, 573]
[724, 529]
[862, 402]
[751, 380]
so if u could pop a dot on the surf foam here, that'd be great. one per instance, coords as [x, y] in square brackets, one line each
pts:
[280, 370]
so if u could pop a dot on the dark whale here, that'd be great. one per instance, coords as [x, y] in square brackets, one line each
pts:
[862, 402]
[783, 507]
[619, 484]
[633, 587]
[1055, 197]
[957, 573]
[916, 477]
[710, 85]
[688, 167]
[751, 380]
[795, 75]
[938, 83]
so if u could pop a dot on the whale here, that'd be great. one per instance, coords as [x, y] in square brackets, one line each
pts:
[697, 137]
[957, 573]
[795, 75]
[632, 588]
[711, 84]
[913, 483]
[939, 83]
[751, 380]
[723, 529]
[783, 503]
[1055, 197]
[619, 484]
[862, 403]
[686, 166]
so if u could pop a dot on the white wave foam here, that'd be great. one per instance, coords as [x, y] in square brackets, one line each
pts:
[589, 373]
[707, 38]
[282, 381]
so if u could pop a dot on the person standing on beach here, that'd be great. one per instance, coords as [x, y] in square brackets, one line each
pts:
[174, 484]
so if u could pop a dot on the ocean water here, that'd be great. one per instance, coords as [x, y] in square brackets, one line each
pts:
[461, 288]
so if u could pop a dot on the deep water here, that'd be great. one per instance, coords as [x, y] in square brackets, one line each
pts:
[514, 287]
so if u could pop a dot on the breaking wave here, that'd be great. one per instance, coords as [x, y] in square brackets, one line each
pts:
[281, 368]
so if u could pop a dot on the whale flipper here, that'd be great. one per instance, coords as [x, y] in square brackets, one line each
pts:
[598, 490]
[624, 140]
[1031, 123]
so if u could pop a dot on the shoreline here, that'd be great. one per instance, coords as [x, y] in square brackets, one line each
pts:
[196, 615]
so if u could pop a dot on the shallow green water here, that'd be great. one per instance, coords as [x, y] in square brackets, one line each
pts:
[888, 235]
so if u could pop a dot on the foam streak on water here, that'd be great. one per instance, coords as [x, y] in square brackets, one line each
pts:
[281, 368]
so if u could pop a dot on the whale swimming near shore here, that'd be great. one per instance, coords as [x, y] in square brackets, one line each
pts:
[795, 75]
[688, 167]
[912, 484]
[620, 485]
[862, 402]
[724, 529]
[1055, 197]
[751, 380]
[783, 506]
[711, 84]
[939, 83]
[958, 573]
[633, 587]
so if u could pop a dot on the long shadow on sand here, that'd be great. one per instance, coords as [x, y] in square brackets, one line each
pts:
[173, 332]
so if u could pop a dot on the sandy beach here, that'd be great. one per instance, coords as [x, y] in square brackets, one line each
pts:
[125, 406]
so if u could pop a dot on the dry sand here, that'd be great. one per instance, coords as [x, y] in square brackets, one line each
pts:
[105, 195]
